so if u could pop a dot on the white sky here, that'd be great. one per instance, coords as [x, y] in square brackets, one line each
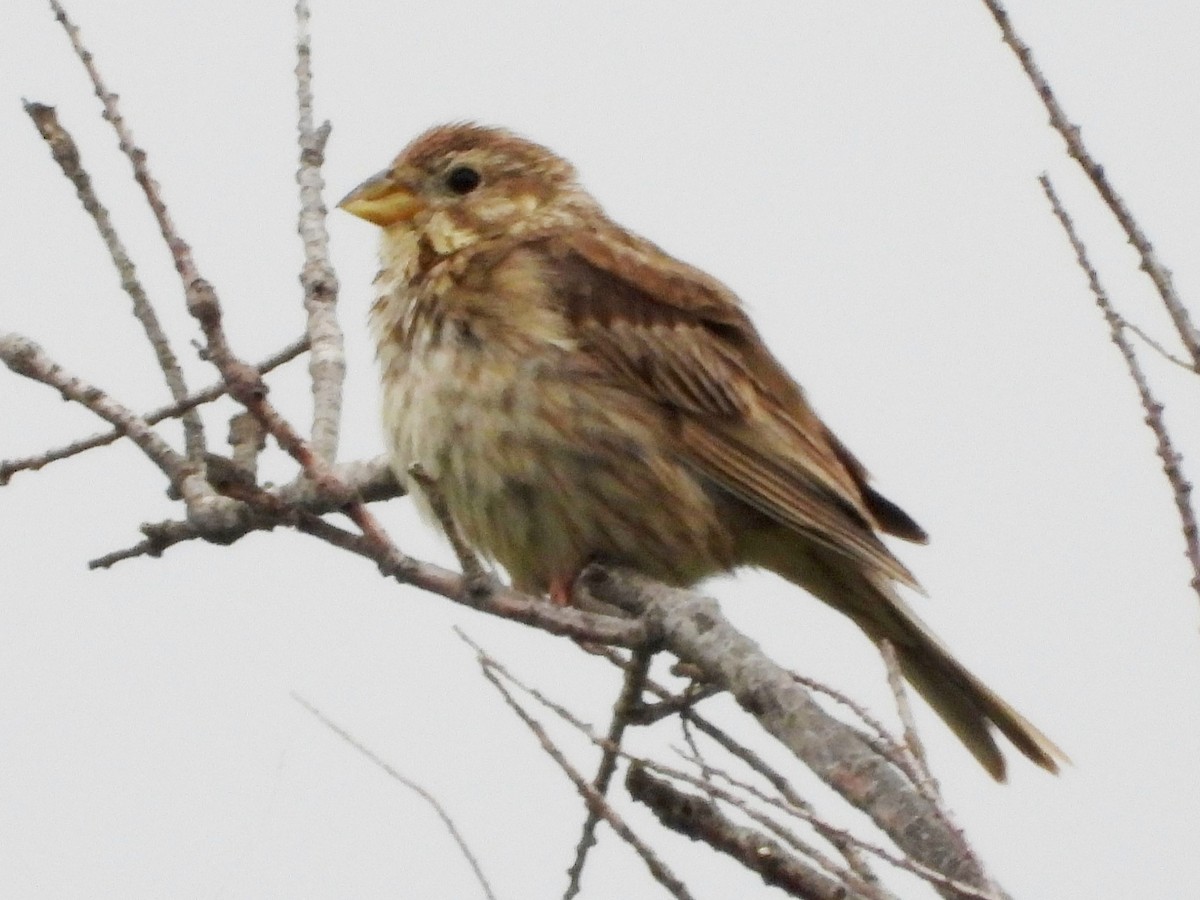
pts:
[863, 175]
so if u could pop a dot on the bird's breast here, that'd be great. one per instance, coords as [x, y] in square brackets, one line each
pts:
[543, 465]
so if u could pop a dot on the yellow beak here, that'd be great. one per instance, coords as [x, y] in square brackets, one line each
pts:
[383, 200]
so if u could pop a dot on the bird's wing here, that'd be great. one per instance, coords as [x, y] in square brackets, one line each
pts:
[679, 338]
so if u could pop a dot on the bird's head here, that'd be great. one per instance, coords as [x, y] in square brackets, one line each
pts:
[458, 184]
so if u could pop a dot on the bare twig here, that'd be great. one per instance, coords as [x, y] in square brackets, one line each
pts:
[755, 762]
[372, 480]
[874, 725]
[674, 704]
[213, 392]
[159, 537]
[1159, 274]
[215, 513]
[629, 698]
[949, 886]
[1156, 346]
[849, 850]
[181, 252]
[66, 154]
[912, 745]
[593, 798]
[876, 735]
[693, 749]
[1181, 488]
[327, 363]
[697, 818]
[411, 785]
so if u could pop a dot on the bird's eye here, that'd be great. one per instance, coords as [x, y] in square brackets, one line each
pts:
[463, 179]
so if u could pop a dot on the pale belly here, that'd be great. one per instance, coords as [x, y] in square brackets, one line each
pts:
[545, 472]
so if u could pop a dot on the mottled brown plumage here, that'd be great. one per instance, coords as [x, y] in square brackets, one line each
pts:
[581, 396]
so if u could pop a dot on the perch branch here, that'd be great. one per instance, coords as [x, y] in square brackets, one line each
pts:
[949, 887]
[692, 627]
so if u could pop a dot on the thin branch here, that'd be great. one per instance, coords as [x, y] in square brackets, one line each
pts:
[628, 700]
[593, 798]
[570, 718]
[300, 504]
[372, 480]
[674, 704]
[411, 785]
[159, 537]
[1159, 274]
[912, 746]
[212, 512]
[217, 513]
[181, 252]
[1156, 346]
[66, 154]
[877, 737]
[697, 818]
[693, 749]
[10, 467]
[327, 363]
[1181, 488]
[850, 852]
[947, 886]
[751, 759]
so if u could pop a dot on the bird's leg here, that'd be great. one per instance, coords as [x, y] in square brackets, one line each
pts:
[562, 590]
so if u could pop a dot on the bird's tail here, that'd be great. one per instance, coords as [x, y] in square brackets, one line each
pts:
[964, 702]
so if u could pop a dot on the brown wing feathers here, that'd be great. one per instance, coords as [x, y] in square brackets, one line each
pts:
[691, 353]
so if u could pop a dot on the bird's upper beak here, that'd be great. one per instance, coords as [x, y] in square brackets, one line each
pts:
[383, 199]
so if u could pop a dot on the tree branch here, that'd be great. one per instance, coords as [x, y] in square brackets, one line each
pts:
[327, 362]
[66, 154]
[693, 628]
[1172, 462]
[1159, 274]
[696, 818]
[594, 799]
[630, 696]
[10, 467]
[209, 511]
[463, 847]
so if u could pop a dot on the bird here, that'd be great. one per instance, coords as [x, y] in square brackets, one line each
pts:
[579, 396]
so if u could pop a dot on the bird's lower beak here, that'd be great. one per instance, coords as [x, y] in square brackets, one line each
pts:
[383, 200]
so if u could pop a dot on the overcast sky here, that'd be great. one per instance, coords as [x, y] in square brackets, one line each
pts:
[863, 175]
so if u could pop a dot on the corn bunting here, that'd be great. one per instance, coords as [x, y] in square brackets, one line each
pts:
[581, 396]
